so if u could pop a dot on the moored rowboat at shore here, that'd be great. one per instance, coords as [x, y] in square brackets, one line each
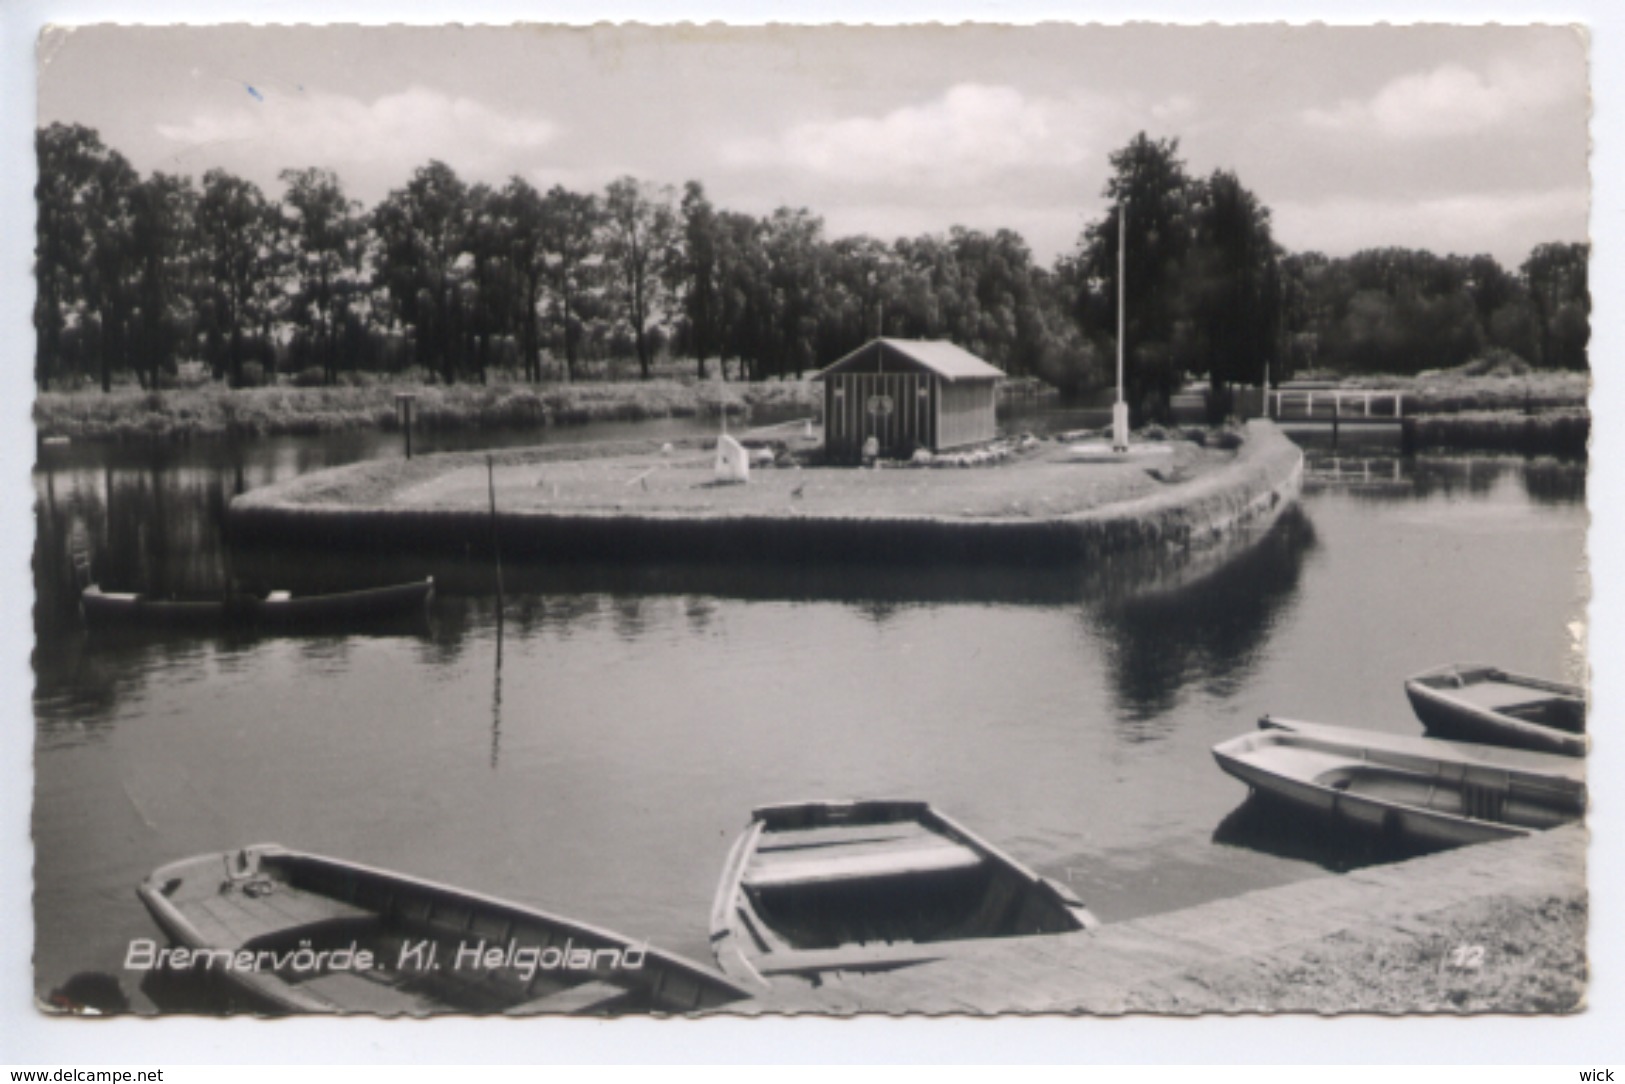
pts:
[1431, 791]
[278, 608]
[819, 887]
[290, 932]
[1469, 702]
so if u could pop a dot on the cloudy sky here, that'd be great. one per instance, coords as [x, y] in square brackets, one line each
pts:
[1455, 139]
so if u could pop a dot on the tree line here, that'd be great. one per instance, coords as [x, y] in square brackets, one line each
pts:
[137, 276]
[1211, 292]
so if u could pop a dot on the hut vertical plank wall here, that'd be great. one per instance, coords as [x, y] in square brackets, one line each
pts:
[966, 415]
[910, 424]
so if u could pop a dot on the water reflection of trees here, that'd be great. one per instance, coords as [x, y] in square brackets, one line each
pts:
[80, 681]
[155, 520]
[1545, 480]
[629, 617]
[700, 612]
[1555, 481]
[151, 528]
[1195, 622]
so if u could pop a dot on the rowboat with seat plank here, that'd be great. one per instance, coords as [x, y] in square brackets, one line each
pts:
[1470, 702]
[819, 887]
[1436, 792]
[285, 932]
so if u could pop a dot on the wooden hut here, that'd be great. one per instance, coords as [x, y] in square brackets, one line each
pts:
[907, 394]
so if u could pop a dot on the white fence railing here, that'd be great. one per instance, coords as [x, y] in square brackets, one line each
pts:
[1336, 403]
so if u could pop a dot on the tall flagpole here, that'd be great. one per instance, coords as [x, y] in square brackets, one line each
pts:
[1122, 268]
[1120, 408]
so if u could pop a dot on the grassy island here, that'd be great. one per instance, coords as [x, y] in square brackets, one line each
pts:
[1040, 500]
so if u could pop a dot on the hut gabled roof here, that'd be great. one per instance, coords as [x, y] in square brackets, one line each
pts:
[935, 355]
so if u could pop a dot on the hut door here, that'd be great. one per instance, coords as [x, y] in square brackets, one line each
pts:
[890, 415]
[880, 411]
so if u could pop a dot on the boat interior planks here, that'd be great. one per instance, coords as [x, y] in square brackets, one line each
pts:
[1475, 702]
[430, 948]
[816, 888]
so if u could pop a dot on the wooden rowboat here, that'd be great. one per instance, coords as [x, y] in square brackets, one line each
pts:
[290, 932]
[818, 887]
[278, 608]
[1426, 790]
[1469, 702]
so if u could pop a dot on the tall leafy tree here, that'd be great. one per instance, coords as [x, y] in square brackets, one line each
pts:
[746, 297]
[695, 273]
[1557, 279]
[860, 268]
[420, 232]
[522, 223]
[793, 243]
[997, 300]
[69, 159]
[638, 232]
[163, 210]
[1234, 284]
[1148, 181]
[326, 239]
[236, 233]
[572, 223]
[84, 255]
[489, 288]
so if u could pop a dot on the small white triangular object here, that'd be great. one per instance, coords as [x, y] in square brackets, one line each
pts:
[733, 465]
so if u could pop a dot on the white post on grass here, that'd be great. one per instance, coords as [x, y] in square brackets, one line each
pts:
[1120, 408]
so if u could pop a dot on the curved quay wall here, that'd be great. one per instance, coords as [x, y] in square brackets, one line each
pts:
[307, 512]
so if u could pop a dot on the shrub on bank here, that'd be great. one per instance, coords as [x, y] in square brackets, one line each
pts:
[214, 410]
[1495, 388]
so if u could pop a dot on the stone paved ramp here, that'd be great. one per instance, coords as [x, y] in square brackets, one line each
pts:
[1152, 962]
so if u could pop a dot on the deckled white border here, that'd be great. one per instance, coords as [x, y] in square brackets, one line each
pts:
[25, 1036]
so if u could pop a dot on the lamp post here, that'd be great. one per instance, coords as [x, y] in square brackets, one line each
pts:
[1120, 408]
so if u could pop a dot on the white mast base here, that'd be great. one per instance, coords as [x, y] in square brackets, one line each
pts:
[1119, 426]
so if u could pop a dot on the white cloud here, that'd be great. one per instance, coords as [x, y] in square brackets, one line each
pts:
[1179, 107]
[1453, 100]
[972, 131]
[392, 134]
[1505, 225]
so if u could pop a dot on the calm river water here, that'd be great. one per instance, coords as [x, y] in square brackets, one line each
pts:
[599, 758]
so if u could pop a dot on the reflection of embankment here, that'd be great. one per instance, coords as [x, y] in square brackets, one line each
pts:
[1562, 431]
[1202, 623]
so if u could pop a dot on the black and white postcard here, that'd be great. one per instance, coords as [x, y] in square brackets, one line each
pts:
[1059, 520]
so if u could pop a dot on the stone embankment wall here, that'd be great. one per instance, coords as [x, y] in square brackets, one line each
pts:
[355, 508]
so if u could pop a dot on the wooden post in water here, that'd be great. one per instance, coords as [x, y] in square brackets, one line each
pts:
[496, 695]
[496, 540]
[1337, 403]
